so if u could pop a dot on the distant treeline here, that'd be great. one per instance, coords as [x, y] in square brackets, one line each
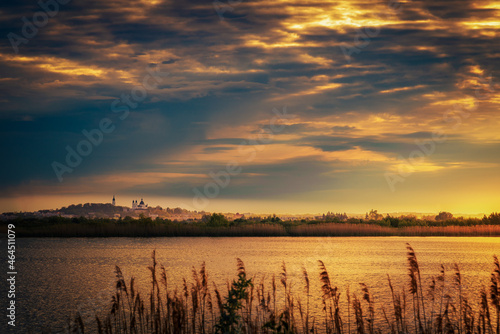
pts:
[217, 225]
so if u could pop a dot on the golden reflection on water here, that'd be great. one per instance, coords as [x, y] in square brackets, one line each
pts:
[75, 273]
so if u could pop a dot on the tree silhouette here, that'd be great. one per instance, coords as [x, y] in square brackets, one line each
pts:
[443, 216]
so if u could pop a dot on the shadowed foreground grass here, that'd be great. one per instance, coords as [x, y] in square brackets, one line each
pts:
[250, 307]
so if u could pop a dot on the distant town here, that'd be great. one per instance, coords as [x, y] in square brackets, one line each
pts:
[143, 220]
[140, 209]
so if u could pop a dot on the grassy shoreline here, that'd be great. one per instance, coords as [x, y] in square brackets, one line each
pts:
[147, 228]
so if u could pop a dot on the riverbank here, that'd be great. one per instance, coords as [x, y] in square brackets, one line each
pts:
[149, 228]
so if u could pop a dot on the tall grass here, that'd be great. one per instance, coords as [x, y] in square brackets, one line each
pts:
[341, 229]
[153, 230]
[344, 229]
[458, 231]
[246, 306]
[256, 230]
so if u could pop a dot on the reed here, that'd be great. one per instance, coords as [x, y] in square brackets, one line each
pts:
[495, 290]
[341, 229]
[150, 228]
[347, 229]
[155, 230]
[250, 307]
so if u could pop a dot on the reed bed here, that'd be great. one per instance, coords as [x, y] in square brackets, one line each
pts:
[341, 229]
[249, 306]
[249, 230]
[476, 230]
[153, 230]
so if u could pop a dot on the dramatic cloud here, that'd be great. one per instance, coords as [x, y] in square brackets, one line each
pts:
[371, 88]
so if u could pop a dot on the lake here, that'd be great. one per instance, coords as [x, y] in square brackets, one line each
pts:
[59, 276]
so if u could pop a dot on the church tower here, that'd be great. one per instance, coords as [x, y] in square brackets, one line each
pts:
[114, 202]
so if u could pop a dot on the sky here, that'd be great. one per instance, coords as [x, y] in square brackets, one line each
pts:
[251, 106]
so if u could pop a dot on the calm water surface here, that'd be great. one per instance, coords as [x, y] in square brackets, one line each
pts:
[59, 276]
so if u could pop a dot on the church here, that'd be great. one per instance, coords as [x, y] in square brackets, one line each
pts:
[140, 206]
[135, 204]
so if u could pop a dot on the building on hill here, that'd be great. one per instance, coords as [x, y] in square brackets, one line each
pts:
[113, 202]
[140, 206]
